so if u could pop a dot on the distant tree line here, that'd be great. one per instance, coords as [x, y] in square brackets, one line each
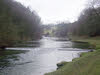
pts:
[17, 23]
[56, 30]
[61, 29]
[88, 23]
[48, 30]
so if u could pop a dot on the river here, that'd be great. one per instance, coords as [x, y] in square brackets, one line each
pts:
[42, 56]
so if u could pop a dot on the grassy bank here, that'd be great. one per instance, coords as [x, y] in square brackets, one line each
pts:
[87, 64]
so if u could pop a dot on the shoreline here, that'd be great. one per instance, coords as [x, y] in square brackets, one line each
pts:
[83, 64]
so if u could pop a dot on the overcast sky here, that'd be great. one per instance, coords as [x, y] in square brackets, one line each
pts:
[52, 11]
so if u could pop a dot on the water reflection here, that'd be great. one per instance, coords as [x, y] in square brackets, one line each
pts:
[42, 57]
[82, 45]
[30, 44]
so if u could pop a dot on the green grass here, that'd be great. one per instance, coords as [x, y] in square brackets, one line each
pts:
[87, 64]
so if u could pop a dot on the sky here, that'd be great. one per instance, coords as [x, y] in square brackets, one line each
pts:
[53, 11]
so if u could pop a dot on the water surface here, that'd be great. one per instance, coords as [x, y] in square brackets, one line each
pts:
[42, 57]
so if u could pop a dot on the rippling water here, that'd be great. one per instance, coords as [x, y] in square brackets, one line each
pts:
[42, 57]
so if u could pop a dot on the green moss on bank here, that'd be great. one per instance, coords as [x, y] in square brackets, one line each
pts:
[87, 64]
[5, 53]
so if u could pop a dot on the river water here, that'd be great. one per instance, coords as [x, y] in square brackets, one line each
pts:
[42, 57]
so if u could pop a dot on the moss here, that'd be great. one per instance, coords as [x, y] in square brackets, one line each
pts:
[61, 64]
[5, 53]
[9, 54]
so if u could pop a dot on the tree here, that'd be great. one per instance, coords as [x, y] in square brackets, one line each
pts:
[17, 23]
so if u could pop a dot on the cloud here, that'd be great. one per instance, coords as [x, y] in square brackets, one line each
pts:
[52, 11]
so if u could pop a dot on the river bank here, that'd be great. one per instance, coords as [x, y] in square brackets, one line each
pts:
[87, 64]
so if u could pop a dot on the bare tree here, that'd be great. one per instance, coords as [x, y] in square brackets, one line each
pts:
[94, 4]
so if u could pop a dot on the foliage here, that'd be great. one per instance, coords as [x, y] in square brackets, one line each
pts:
[17, 23]
[88, 23]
